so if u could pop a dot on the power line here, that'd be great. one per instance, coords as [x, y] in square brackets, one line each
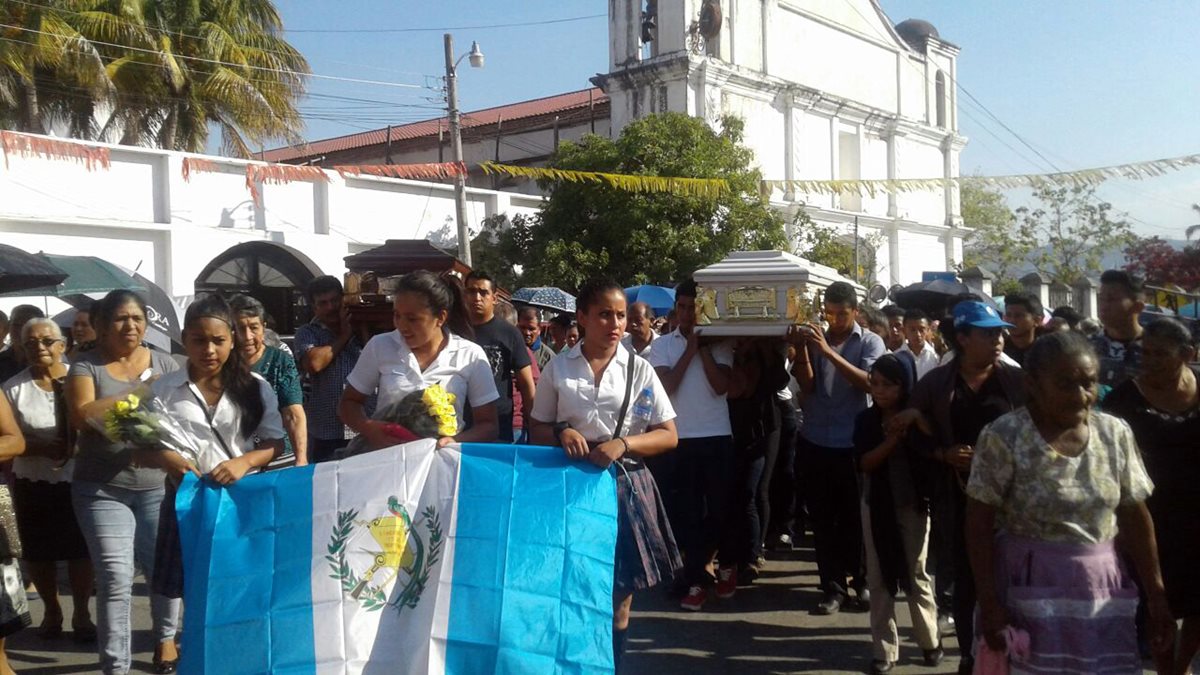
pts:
[198, 37]
[283, 71]
[444, 29]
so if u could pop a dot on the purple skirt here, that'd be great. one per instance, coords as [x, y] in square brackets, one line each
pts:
[646, 552]
[1076, 601]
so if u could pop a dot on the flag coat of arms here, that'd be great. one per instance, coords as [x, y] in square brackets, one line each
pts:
[467, 559]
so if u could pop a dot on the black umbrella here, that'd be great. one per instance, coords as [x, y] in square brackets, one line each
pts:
[933, 297]
[20, 270]
[162, 321]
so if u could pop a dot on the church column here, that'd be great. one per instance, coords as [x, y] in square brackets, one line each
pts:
[947, 146]
[893, 237]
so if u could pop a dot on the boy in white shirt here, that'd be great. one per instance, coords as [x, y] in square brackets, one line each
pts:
[916, 342]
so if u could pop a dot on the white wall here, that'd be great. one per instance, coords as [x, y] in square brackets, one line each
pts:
[141, 214]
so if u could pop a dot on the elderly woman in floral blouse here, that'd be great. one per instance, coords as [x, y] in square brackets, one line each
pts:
[1061, 480]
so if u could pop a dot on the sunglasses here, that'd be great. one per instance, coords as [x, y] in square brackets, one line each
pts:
[45, 342]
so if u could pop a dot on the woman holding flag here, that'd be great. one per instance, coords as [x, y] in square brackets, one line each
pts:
[600, 402]
[232, 416]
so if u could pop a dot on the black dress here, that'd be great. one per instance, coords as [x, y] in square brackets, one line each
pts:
[1170, 446]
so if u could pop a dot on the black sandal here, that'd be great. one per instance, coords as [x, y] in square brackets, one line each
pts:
[163, 666]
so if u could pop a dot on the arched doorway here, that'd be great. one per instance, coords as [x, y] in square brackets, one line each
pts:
[274, 274]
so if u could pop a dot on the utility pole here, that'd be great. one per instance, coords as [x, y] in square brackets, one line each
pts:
[460, 187]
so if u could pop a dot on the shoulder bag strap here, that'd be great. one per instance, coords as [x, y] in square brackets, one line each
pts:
[61, 419]
[209, 416]
[628, 394]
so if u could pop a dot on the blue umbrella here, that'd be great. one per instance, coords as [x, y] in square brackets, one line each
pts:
[660, 298]
[546, 297]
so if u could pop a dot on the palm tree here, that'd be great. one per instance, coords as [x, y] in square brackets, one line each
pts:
[162, 73]
[50, 73]
[209, 63]
[1194, 228]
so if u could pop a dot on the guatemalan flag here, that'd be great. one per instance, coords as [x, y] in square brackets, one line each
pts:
[466, 559]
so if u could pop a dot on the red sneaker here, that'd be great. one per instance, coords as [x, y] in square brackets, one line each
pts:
[726, 582]
[694, 600]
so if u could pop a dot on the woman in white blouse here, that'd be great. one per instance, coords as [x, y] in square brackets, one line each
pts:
[602, 403]
[427, 348]
[231, 414]
[42, 486]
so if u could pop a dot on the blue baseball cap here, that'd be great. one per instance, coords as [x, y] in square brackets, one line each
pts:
[978, 315]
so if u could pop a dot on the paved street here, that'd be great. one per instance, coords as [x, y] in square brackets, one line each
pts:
[766, 628]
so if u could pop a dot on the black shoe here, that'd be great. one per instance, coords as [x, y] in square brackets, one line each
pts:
[878, 666]
[862, 599]
[832, 604]
[933, 657]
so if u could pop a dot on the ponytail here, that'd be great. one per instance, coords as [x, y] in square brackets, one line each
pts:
[236, 378]
[441, 294]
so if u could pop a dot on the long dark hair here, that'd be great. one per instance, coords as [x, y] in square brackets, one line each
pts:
[441, 294]
[241, 387]
[897, 370]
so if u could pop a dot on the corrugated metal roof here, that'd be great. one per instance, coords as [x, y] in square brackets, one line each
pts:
[575, 100]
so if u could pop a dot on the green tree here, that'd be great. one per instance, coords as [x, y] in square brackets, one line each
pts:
[829, 246]
[998, 242]
[165, 72]
[1075, 230]
[588, 229]
[50, 72]
[207, 63]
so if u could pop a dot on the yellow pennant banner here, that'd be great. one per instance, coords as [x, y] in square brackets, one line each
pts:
[1081, 178]
[696, 187]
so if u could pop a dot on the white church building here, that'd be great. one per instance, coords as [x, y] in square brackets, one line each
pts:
[828, 89]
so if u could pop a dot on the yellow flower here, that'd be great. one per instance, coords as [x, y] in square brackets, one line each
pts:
[134, 401]
[122, 408]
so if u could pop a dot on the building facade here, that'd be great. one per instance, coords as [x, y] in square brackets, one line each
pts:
[828, 90]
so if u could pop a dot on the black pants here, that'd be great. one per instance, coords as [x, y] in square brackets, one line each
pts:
[504, 428]
[964, 582]
[322, 449]
[749, 500]
[831, 490]
[782, 478]
[942, 539]
[705, 474]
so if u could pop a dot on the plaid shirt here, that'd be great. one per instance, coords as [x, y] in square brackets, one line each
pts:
[321, 406]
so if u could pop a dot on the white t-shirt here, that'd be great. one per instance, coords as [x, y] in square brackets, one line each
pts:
[702, 412]
[34, 409]
[388, 366]
[926, 361]
[627, 342]
[187, 406]
[567, 392]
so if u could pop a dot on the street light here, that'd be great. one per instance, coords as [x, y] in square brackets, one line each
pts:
[475, 58]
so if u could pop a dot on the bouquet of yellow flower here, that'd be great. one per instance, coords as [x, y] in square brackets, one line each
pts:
[140, 420]
[427, 413]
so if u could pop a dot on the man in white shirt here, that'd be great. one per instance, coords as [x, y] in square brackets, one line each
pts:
[916, 342]
[696, 479]
[640, 330]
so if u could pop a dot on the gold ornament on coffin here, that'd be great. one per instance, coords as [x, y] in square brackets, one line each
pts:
[754, 303]
[706, 307]
[799, 308]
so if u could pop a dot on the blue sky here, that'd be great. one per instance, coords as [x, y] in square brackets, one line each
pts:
[1085, 83]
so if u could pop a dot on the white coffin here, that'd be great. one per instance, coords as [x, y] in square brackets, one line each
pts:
[761, 293]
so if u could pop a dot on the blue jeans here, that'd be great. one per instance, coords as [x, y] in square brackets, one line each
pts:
[120, 526]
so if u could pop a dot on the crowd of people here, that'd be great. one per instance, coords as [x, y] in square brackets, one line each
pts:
[1015, 479]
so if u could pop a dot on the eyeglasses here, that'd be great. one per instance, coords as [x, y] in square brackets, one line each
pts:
[45, 342]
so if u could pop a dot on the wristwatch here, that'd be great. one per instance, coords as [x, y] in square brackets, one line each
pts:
[559, 428]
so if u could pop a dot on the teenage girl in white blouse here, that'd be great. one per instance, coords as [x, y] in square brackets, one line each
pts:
[578, 406]
[231, 413]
